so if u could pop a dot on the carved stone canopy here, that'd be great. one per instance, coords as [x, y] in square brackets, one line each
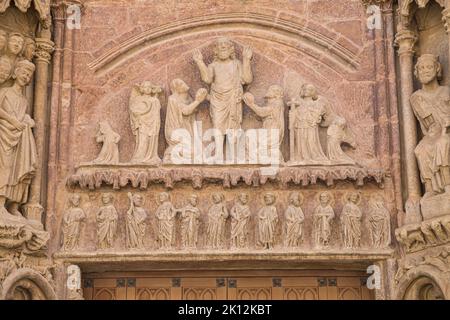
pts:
[41, 6]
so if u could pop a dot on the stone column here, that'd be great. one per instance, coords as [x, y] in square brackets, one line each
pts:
[446, 19]
[406, 39]
[44, 49]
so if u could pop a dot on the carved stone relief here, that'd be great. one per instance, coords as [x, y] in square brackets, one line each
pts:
[240, 216]
[432, 109]
[294, 221]
[323, 217]
[217, 217]
[72, 224]
[351, 218]
[106, 222]
[166, 214]
[73, 284]
[135, 222]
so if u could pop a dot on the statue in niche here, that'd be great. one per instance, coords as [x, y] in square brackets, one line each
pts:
[14, 47]
[305, 117]
[322, 218]
[5, 71]
[109, 154]
[431, 106]
[267, 222]
[135, 222]
[72, 223]
[165, 214]
[351, 217]
[240, 216]
[217, 217]
[3, 41]
[18, 156]
[190, 221]
[29, 49]
[74, 290]
[226, 75]
[294, 221]
[145, 123]
[379, 222]
[272, 115]
[181, 116]
[337, 134]
[106, 222]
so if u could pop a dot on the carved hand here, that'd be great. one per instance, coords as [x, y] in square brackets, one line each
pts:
[248, 53]
[249, 99]
[18, 125]
[201, 95]
[198, 57]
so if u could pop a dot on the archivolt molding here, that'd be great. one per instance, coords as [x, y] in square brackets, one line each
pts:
[39, 287]
[302, 35]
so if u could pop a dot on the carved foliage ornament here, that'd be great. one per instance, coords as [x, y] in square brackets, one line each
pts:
[41, 6]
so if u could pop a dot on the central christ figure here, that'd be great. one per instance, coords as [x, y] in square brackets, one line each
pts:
[227, 76]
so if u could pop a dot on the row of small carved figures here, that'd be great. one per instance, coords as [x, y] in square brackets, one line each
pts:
[267, 222]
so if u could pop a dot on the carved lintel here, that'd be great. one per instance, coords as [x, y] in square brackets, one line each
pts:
[406, 40]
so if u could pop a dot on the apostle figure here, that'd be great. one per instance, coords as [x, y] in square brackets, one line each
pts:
[190, 221]
[165, 214]
[226, 75]
[240, 216]
[135, 222]
[379, 222]
[217, 217]
[351, 217]
[109, 154]
[272, 116]
[145, 123]
[18, 149]
[29, 49]
[180, 120]
[106, 222]
[72, 223]
[306, 115]
[322, 217]
[431, 105]
[267, 222]
[337, 134]
[294, 221]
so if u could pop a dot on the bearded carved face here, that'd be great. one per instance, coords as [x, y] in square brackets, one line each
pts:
[427, 71]
[224, 49]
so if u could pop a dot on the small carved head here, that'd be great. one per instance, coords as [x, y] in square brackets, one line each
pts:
[325, 198]
[309, 91]
[179, 86]
[16, 43]
[275, 92]
[23, 72]
[5, 69]
[75, 200]
[428, 68]
[193, 200]
[29, 49]
[353, 197]
[269, 198]
[147, 88]
[224, 49]
[218, 198]
[107, 198]
[163, 197]
[138, 200]
[296, 199]
[3, 40]
[243, 198]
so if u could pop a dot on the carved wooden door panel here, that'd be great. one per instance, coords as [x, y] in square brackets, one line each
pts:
[229, 287]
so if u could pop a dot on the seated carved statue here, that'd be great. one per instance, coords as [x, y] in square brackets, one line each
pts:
[432, 108]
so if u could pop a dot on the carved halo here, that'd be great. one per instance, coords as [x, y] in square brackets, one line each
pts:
[300, 196]
[330, 197]
[347, 196]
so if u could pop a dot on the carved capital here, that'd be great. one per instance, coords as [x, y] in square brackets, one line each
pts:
[44, 49]
[405, 40]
